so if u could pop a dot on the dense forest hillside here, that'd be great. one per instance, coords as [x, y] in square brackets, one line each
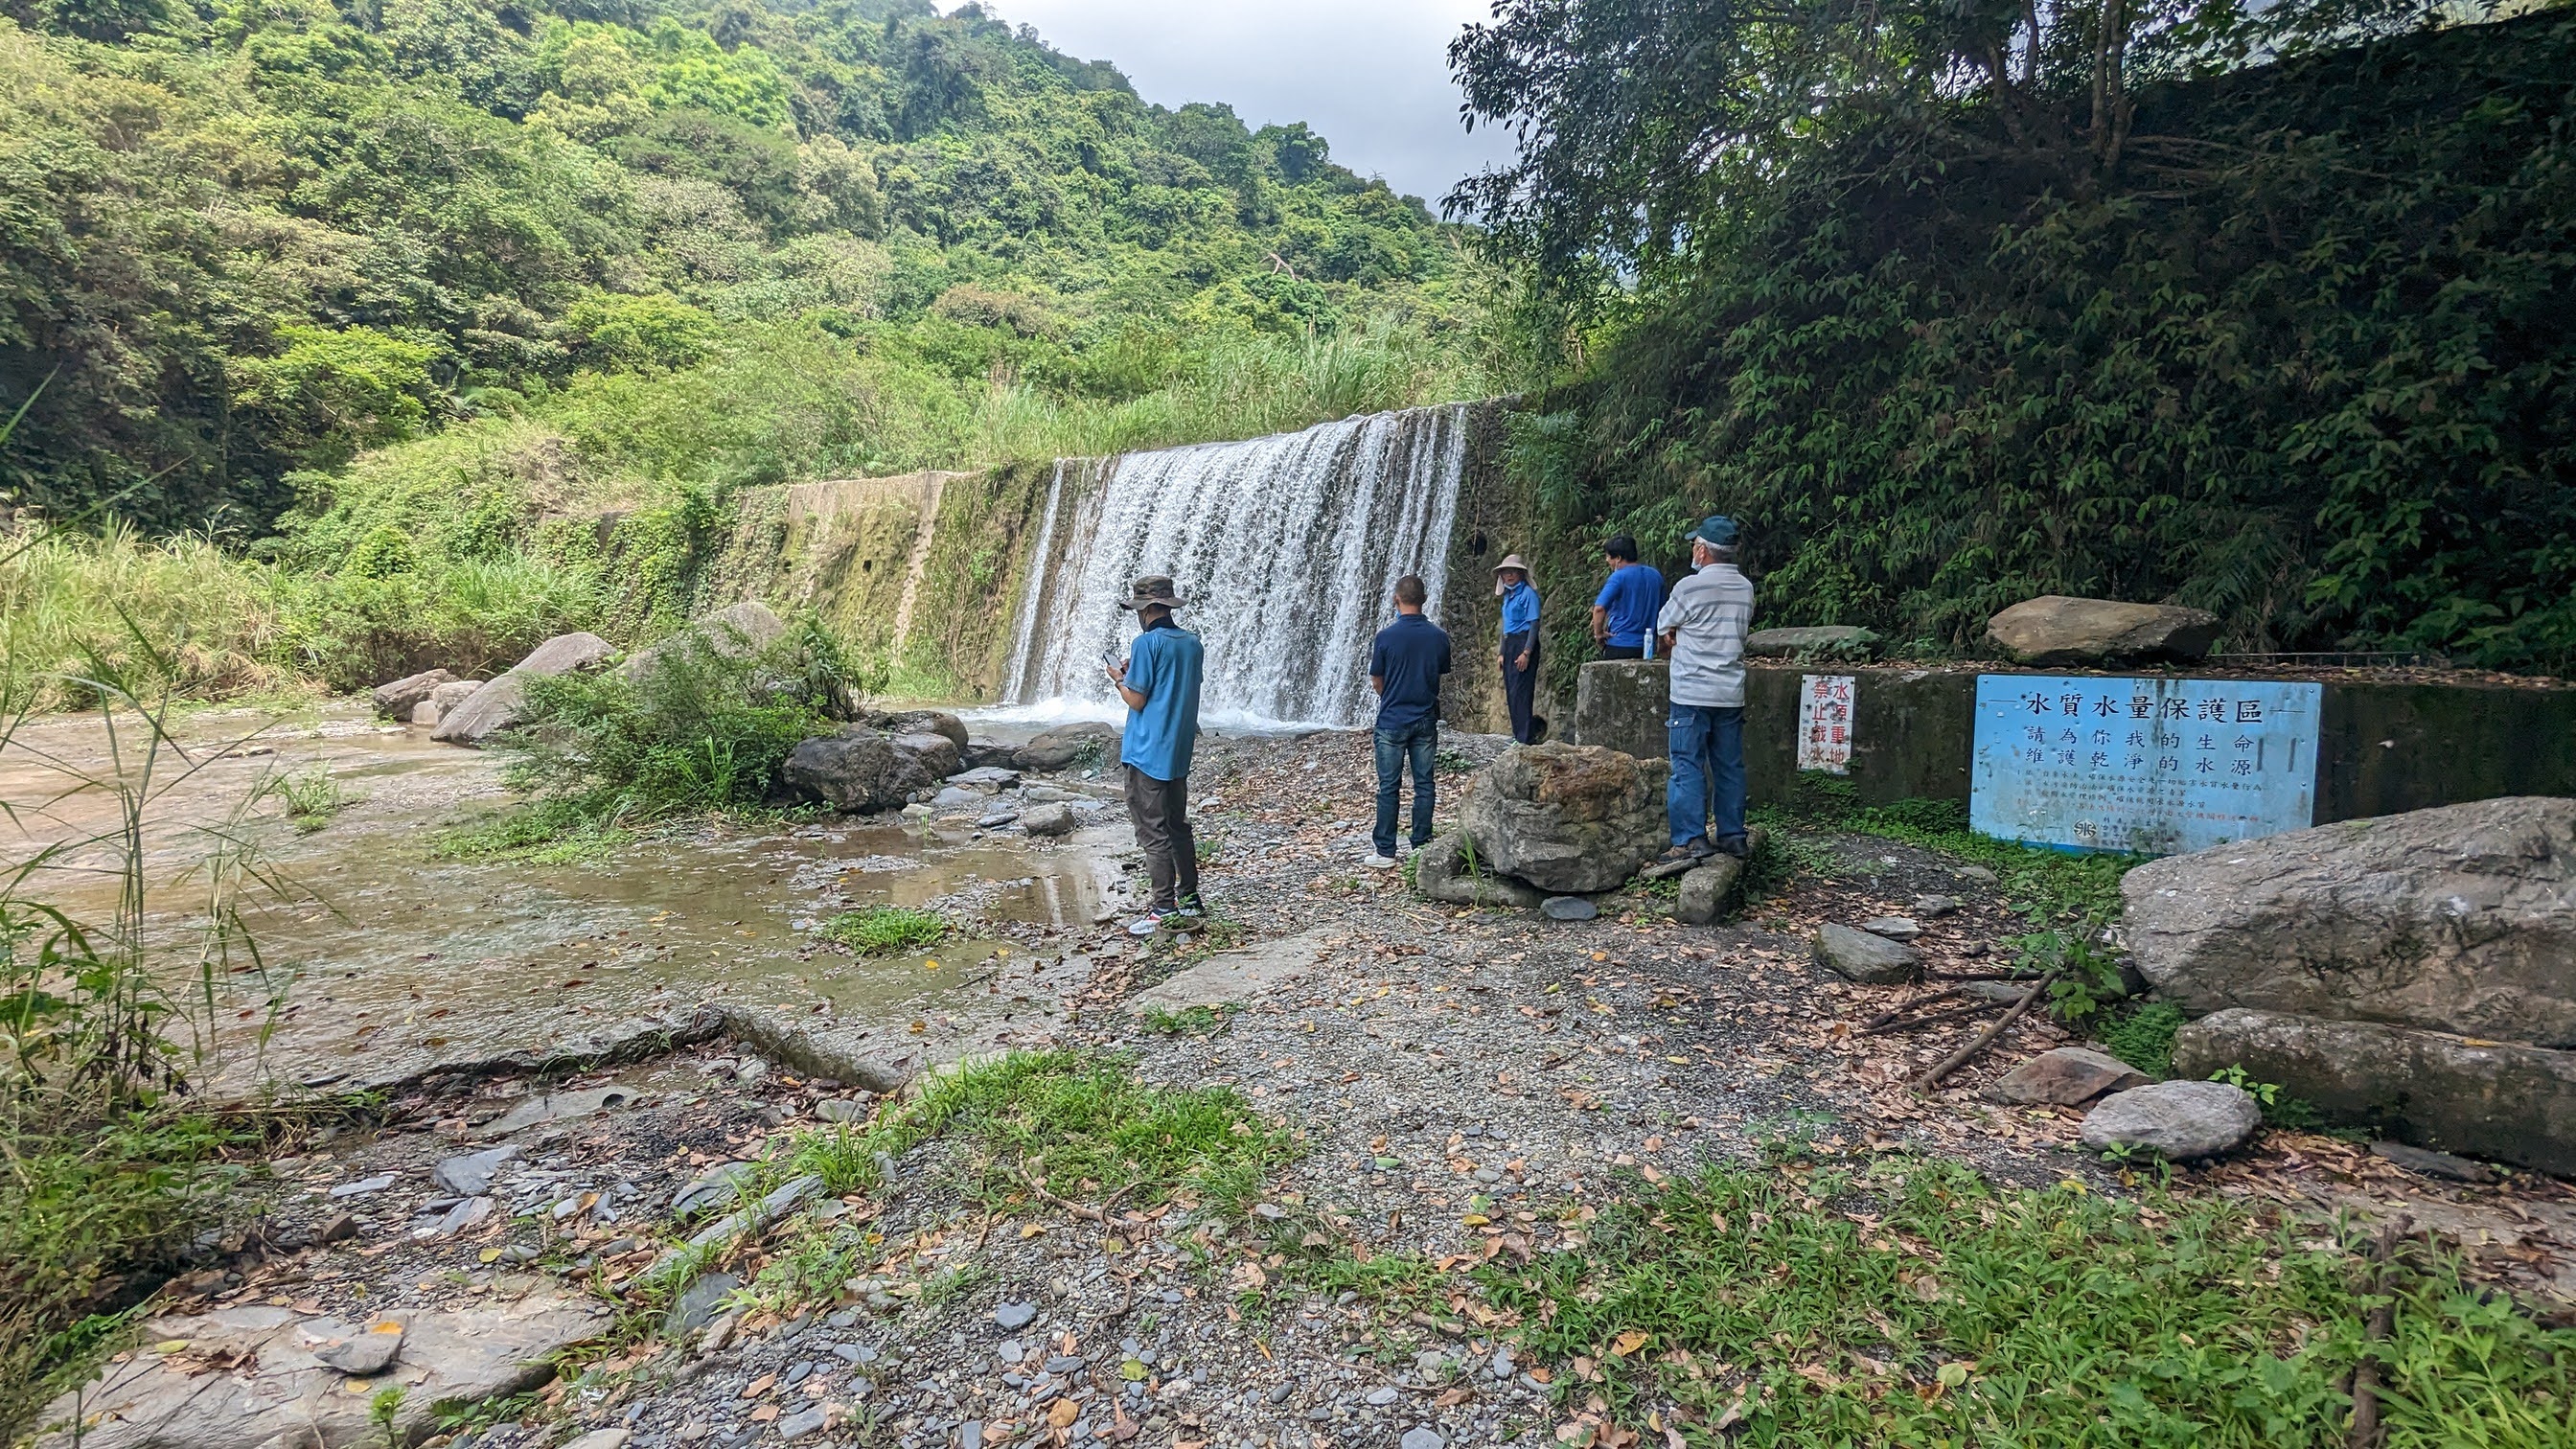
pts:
[334, 326]
[2275, 323]
[246, 238]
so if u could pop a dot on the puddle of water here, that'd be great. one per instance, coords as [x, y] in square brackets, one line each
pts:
[390, 948]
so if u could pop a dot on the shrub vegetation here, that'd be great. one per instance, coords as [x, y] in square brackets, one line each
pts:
[2066, 298]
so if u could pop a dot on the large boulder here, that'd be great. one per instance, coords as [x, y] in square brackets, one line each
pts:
[2056, 629]
[1068, 745]
[1442, 872]
[936, 757]
[443, 700]
[2458, 919]
[2489, 1099]
[737, 631]
[925, 722]
[2179, 1120]
[858, 769]
[503, 703]
[1832, 641]
[1569, 819]
[1621, 704]
[397, 700]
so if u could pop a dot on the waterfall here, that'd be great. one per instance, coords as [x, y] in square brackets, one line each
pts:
[1291, 543]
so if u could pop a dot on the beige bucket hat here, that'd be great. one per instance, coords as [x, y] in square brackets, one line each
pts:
[1153, 589]
[1510, 561]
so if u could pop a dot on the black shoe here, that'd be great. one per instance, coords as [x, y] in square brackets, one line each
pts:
[1739, 846]
[1697, 849]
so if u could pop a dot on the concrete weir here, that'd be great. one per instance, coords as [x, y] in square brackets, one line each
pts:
[1001, 586]
[2384, 746]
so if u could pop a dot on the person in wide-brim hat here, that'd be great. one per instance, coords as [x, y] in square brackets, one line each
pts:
[1151, 590]
[1520, 647]
[1159, 682]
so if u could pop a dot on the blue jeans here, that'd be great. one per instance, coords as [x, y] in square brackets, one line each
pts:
[1417, 743]
[1707, 744]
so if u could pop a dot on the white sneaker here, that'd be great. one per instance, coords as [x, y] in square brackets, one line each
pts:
[1375, 861]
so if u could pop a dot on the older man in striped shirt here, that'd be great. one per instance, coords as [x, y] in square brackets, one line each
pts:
[1703, 626]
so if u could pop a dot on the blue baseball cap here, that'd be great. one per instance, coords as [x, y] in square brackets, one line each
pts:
[1717, 531]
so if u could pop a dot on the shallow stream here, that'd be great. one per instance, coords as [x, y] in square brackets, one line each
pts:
[376, 945]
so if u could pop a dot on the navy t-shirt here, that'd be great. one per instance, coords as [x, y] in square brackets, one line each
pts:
[1410, 655]
[1632, 596]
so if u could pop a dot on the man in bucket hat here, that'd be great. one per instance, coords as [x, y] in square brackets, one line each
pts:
[1520, 647]
[1703, 626]
[1160, 683]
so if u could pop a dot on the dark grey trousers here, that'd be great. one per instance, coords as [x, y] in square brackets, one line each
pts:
[1160, 811]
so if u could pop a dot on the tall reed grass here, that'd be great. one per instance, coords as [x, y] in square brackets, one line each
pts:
[136, 613]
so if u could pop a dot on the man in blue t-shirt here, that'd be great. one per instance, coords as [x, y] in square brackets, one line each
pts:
[1623, 617]
[1405, 666]
[1160, 682]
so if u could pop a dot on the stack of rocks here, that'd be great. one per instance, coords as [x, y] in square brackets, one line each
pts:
[2417, 971]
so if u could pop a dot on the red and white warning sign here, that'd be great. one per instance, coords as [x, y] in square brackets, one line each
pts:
[1825, 723]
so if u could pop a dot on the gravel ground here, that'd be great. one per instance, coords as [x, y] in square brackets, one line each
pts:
[1462, 1083]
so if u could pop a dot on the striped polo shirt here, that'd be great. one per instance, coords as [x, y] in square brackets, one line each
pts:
[1712, 610]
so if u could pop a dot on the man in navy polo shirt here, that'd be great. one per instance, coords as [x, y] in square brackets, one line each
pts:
[1405, 667]
[1623, 617]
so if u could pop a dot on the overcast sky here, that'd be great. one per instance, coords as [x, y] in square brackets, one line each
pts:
[1371, 75]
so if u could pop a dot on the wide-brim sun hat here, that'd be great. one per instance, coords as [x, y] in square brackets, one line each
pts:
[1510, 561]
[1153, 589]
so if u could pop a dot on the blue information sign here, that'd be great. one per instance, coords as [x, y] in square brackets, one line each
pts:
[2153, 765]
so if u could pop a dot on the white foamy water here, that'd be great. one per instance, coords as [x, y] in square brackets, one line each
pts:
[1292, 544]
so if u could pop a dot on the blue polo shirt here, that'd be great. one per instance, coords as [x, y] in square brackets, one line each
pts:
[1410, 655]
[1634, 595]
[1520, 608]
[1164, 666]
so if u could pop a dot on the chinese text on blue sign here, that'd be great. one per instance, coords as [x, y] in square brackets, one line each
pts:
[2153, 765]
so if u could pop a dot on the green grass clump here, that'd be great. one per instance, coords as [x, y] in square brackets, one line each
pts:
[1072, 1125]
[1188, 1021]
[2049, 885]
[2143, 1037]
[883, 928]
[310, 797]
[1916, 1305]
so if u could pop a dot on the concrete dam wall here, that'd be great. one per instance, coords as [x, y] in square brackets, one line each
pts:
[1001, 586]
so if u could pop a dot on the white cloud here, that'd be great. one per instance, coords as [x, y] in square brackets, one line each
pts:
[1371, 76]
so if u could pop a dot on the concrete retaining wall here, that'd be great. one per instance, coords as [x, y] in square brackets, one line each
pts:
[2384, 747]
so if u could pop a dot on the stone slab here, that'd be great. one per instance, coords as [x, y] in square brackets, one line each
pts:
[1231, 978]
[449, 1360]
[2467, 1095]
